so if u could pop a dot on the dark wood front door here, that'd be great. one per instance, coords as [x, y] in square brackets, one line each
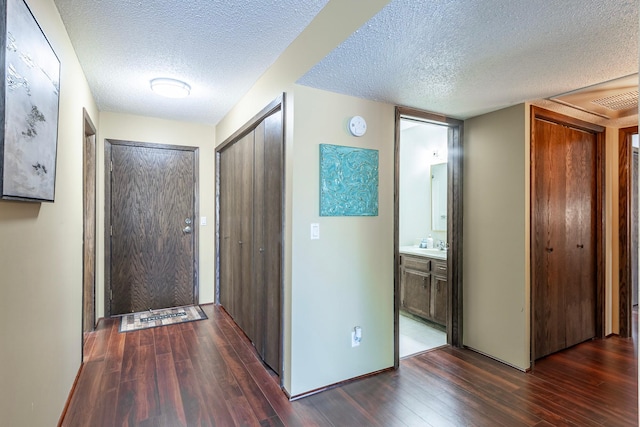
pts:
[153, 226]
[565, 244]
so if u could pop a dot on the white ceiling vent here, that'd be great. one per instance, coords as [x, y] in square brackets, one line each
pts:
[611, 100]
[621, 101]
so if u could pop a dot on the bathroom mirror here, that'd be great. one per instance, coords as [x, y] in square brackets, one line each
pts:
[439, 197]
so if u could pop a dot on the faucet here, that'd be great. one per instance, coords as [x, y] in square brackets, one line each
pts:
[442, 245]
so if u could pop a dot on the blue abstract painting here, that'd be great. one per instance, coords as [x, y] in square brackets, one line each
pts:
[348, 181]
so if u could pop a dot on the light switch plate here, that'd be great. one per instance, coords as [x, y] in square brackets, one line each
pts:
[203, 220]
[315, 231]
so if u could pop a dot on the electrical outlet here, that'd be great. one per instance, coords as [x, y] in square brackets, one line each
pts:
[356, 336]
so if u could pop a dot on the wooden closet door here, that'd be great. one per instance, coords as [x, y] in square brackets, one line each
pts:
[565, 236]
[228, 245]
[236, 233]
[581, 236]
[259, 279]
[251, 240]
[272, 237]
[243, 209]
[549, 242]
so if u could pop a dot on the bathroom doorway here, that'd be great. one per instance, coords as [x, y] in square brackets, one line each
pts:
[427, 232]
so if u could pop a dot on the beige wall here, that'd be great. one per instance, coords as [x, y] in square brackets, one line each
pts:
[41, 263]
[332, 25]
[345, 278]
[496, 235]
[146, 129]
[335, 22]
[497, 230]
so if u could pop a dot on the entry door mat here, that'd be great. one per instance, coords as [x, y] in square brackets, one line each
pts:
[161, 317]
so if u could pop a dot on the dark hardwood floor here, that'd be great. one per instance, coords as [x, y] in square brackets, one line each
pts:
[206, 373]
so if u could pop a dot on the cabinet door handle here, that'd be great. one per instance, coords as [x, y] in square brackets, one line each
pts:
[549, 249]
[581, 246]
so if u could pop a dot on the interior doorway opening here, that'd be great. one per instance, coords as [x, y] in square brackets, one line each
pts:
[427, 232]
[422, 235]
[88, 226]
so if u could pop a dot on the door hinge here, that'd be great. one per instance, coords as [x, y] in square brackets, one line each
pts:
[111, 295]
[111, 230]
[111, 166]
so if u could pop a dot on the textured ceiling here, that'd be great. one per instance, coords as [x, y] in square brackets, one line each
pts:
[455, 57]
[219, 47]
[467, 57]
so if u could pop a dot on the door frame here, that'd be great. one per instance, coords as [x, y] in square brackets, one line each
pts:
[454, 224]
[624, 230]
[88, 287]
[599, 132]
[108, 144]
[277, 104]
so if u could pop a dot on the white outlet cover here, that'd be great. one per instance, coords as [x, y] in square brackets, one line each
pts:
[354, 343]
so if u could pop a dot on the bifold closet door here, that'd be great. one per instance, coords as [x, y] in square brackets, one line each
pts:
[236, 231]
[228, 251]
[581, 233]
[565, 236]
[268, 252]
[244, 237]
[251, 180]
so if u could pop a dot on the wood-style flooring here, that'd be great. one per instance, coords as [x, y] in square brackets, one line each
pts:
[206, 373]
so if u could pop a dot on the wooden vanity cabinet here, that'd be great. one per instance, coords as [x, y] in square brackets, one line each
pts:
[423, 287]
[439, 292]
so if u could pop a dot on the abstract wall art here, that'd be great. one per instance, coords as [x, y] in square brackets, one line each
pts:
[348, 181]
[30, 72]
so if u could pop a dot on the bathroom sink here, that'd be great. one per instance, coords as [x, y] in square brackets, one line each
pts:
[414, 250]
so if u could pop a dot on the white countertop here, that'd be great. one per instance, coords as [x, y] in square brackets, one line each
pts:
[431, 253]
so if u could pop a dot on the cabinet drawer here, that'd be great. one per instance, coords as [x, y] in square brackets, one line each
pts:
[439, 268]
[416, 263]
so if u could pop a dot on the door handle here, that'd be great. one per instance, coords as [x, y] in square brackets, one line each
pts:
[187, 230]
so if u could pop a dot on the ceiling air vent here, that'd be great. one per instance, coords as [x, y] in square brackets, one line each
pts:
[611, 100]
[621, 101]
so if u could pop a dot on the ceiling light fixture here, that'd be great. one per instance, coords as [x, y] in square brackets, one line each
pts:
[170, 88]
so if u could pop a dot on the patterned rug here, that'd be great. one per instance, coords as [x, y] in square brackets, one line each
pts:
[161, 317]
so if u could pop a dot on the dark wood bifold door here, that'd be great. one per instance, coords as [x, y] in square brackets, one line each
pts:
[250, 242]
[153, 226]
[565, 240]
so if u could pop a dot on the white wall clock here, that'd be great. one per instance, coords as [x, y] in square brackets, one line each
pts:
[357, 126]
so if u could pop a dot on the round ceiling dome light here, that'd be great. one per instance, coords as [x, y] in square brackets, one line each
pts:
[170, 88]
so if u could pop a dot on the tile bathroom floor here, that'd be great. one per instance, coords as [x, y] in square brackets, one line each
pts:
[416, 336]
